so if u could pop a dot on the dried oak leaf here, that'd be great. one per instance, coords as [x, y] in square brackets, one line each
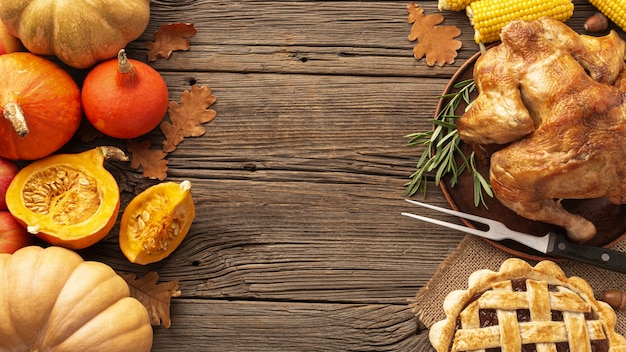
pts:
[168, 38]
[155, 297]
[185, 119]
[435, 42]
[152, 161]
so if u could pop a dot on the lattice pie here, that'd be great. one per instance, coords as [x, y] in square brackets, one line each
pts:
[525, 308]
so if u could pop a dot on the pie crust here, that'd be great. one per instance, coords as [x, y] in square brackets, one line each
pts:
[526, 308]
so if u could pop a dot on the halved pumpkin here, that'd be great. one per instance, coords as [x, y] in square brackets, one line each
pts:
[156, 221]
[69, 200]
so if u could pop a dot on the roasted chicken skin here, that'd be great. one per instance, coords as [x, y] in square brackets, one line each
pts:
[557, 101]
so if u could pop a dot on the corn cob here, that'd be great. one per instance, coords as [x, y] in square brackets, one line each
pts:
[615, 10]
[453, 5]
[489, 16]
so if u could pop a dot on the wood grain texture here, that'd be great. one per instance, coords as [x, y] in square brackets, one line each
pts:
[299, 244]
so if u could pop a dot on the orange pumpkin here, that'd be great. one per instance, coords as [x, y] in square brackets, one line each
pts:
[156, 221]
[124, 98]
[69, 200]
[41, 106]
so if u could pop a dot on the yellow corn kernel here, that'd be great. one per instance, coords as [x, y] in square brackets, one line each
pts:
[453, 5]
[489, 16]
[615, 10]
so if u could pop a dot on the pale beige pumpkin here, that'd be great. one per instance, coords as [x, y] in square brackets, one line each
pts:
[79, 32]
[52, 300]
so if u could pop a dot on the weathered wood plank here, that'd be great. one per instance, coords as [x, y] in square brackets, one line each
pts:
[289, 326]
[300, 241]
[312, 117]
[335, 37]
[311, 37]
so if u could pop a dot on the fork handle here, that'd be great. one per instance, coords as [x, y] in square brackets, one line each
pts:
[560, 247]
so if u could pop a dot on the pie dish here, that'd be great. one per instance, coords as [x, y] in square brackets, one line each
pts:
[526, 308]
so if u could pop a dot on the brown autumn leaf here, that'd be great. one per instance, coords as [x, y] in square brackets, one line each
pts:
[152, 161]
[155, 297]
[185, 120]
[168, 38]
[435, 42]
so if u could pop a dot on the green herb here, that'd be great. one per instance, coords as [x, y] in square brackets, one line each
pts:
[441, 146]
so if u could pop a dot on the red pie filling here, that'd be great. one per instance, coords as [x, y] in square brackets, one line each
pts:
[488, 317]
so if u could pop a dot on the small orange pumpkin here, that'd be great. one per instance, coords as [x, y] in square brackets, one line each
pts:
[41, 106]
[156, 221]
[124, 98]
[69, 200]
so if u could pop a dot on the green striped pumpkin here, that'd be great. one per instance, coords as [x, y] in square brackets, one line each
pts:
[79, 32]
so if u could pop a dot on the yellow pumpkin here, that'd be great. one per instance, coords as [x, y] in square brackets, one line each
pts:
[79, 32]
[156, 221]
[53, 300]
[69, 200]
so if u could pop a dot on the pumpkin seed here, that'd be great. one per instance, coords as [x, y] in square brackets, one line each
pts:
[66, 194]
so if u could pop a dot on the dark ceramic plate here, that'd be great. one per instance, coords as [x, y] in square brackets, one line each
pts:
[609, 219]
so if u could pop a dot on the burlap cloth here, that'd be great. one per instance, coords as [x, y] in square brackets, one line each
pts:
[473, 254]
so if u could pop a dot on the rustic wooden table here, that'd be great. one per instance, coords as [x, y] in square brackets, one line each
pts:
[298, 243]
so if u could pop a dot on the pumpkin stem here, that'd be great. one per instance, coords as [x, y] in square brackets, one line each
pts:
[15, 115]
[113, 153]
[123, 65]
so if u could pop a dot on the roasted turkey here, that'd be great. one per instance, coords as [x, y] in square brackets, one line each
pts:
[556, 100]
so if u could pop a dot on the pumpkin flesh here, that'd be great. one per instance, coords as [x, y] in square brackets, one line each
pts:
[156, 221]
[69, 200]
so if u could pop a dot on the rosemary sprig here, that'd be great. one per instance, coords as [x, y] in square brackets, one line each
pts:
[441, 146]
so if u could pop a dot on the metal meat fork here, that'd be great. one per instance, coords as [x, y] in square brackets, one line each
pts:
[553, 244]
